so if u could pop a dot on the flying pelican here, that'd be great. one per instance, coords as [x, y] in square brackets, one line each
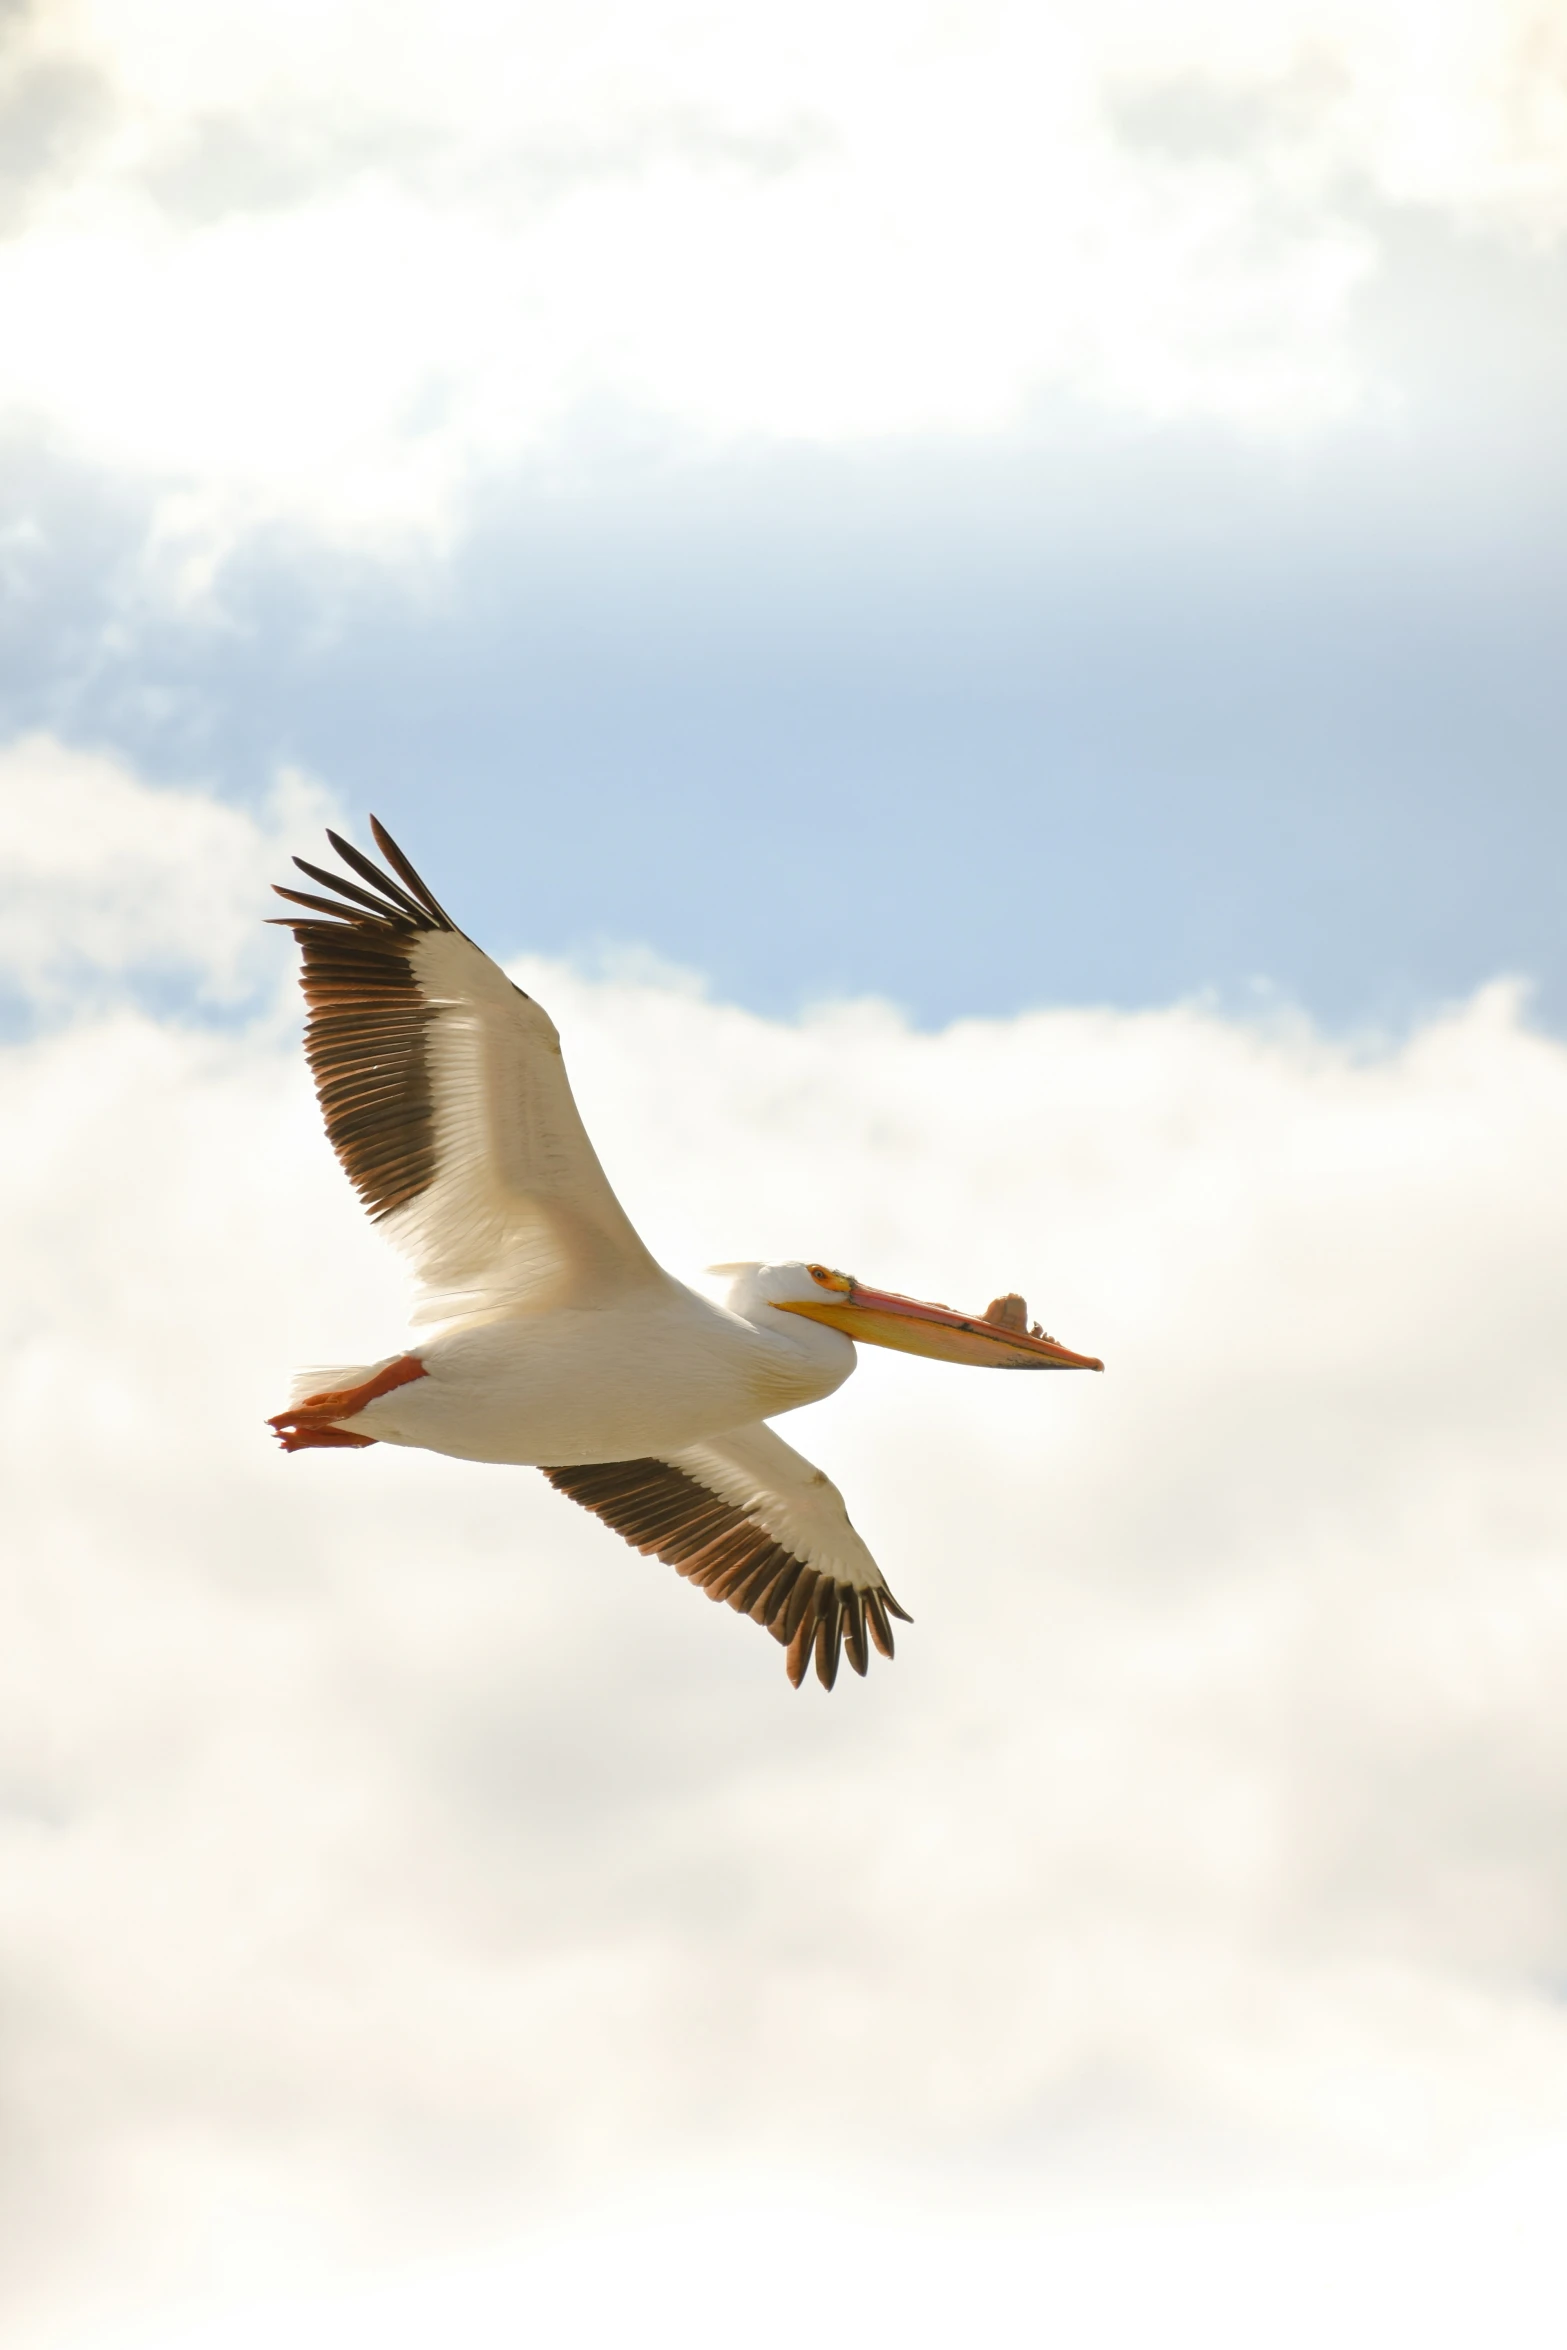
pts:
[563, 1345]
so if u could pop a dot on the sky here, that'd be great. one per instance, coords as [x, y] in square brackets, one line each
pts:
[971, 598]
[666, 450]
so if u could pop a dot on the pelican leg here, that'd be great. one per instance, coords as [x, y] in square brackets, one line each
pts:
[312, 1422]
[303, 1439]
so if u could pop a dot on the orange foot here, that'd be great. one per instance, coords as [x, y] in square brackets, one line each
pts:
[301, 1439]
[312, 1422]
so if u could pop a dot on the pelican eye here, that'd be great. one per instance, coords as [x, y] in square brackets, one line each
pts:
[826, 1278]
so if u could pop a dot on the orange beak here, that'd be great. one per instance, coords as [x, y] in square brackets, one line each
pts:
[881, 1318]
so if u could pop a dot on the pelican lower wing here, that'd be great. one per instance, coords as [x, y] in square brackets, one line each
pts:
[751, 1521]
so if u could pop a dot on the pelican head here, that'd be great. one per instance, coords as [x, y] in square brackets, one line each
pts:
[999, 1339]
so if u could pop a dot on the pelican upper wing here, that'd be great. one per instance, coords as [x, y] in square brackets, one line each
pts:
[446, 1099]
[752, 1522]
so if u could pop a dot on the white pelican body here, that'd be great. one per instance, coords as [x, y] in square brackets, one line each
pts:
[562, 1344]
[661, 1368]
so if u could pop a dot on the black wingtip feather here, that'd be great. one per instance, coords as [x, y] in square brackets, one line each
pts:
[299, 897]
[382, 907]
[800, 1646]
[371, 872]
[400, 865]
[829, 1637]
[854, 1631]
[876, 1622]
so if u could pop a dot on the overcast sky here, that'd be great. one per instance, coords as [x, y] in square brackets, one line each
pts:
[976, 593]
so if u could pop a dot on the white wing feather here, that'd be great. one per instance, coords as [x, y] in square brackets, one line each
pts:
[446, 1099]
[781, 1491]
[520, 1213]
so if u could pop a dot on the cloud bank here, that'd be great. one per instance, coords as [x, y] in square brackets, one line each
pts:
[103, 886]
[339, 268]
[390, 1856]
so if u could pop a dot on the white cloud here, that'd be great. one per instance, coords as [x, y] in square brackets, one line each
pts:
[389, 1855]
[103, 877]
[338, 264]
[1471, 2261]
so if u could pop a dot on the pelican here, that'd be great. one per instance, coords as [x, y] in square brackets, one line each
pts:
[562, 1344]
